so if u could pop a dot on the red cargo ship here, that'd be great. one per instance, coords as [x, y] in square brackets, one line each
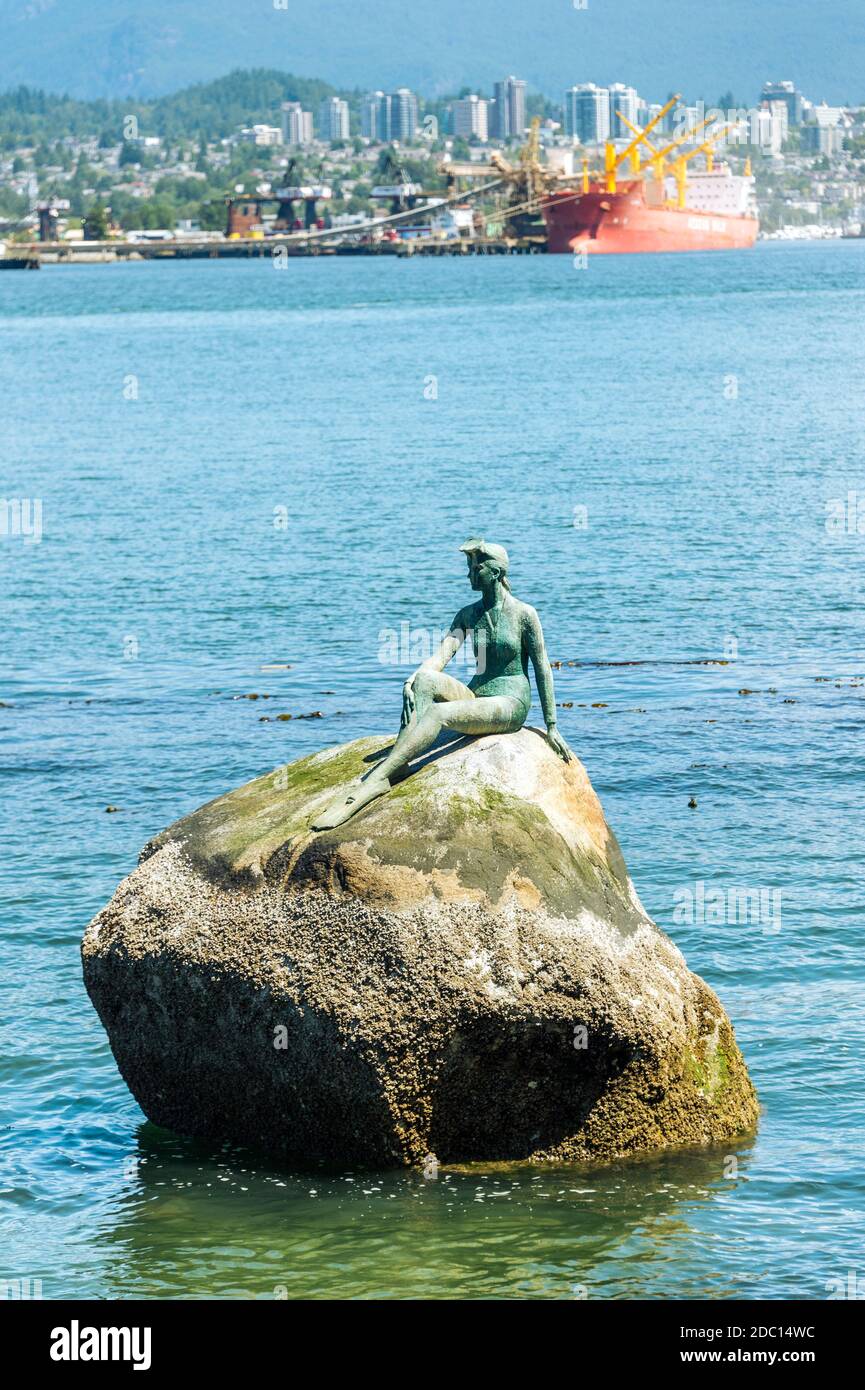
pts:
[662, 207]
[718, 215]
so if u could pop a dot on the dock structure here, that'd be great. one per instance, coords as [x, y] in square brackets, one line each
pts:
[405, 233]
[477, 246]
[245, 236]
[420, 223]
[275, 247]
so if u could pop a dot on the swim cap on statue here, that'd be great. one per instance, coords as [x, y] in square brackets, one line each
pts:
[493, 552]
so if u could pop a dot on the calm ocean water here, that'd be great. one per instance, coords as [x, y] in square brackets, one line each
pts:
[240, 467]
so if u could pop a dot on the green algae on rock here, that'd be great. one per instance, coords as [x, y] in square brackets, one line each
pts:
[462, 968]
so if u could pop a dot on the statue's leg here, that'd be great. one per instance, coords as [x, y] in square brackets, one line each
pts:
[429, 688]
[489, 714]
[432, 687]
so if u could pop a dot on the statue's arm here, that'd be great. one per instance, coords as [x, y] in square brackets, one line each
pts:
[450, 644]
[448, 649]
[544, 681]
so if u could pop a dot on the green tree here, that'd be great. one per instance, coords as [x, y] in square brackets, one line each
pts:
[158, 213]
[211, 215]
[97, 222]
[130, 153]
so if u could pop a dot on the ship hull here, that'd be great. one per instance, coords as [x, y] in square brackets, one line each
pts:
[620, 223]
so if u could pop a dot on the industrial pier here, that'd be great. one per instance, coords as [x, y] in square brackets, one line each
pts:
[516, 228]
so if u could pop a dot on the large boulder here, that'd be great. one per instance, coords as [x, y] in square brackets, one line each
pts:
[464, 968]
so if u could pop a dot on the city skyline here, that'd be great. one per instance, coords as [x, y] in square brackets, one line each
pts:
[590, 114]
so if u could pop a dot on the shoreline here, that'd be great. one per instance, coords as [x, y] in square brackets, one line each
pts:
[33, 255]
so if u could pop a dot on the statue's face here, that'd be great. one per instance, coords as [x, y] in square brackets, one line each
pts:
[482, 570]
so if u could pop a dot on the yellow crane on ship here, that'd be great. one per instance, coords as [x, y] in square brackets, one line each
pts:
[613, 159]
[680, 164]
[613, 162]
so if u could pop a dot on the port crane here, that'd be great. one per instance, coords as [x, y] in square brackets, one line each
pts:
[292, 193]
[402, 193]
[244, 210]
[527, 182]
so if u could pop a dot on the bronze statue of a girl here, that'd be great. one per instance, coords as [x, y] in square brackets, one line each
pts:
[506, 635]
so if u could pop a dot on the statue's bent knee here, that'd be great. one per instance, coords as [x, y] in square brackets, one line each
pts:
[426, 683]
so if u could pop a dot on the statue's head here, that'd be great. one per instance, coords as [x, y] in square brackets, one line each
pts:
[487, 563]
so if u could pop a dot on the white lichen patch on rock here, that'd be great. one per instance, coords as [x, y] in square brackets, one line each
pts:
[464, 968]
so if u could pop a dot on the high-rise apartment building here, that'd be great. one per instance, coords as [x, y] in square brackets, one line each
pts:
[792, 99]
[822, 139]
[296, 124]
[390, 116]
[370, 116]
[587, 113]
[333, 119]
[471, 117]
[402, 115]
[509, 119]
[623, 99]
[767, 127]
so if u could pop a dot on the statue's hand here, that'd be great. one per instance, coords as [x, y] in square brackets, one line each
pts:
[558, 745]
[408, 705]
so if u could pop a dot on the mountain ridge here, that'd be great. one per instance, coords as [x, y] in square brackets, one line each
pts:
[147, 48]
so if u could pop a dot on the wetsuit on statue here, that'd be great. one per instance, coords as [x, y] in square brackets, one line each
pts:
[506, 635]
